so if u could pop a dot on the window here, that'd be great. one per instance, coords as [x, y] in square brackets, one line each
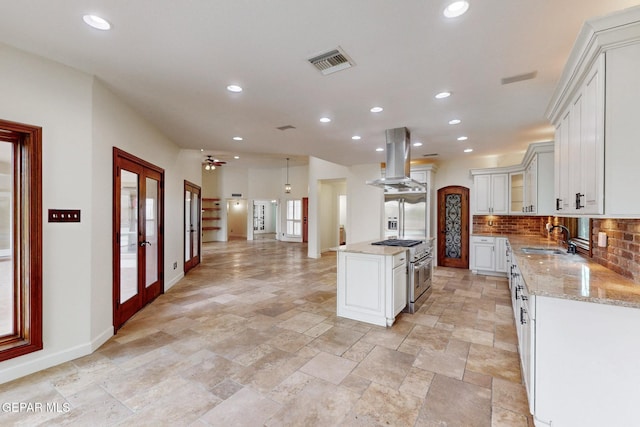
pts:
[294, 218]
[580, 229]
[20, 239]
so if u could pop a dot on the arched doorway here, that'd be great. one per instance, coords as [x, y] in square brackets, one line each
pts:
[453, 227]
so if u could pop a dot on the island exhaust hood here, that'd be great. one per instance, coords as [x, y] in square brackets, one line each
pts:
[398, 165]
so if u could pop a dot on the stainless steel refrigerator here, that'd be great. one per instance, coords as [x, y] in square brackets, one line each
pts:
[405, 215]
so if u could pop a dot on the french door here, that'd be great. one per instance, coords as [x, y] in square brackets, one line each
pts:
[138, 228]
[192, 222]
[453, 227]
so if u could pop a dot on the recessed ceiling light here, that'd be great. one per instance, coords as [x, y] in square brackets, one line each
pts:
[236, 157]
[376, 109]
[456, 9]
[379, 149]
[325, 119]
[417, 144]
[201, 150]
[468, 150]
[455, 121]
[234, 88]
[237, 138]
[443, 95]
[356, 137]
[462, 138]
[96, 22]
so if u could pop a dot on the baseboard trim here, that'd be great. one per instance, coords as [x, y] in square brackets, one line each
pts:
[173, 281]
[43, 362]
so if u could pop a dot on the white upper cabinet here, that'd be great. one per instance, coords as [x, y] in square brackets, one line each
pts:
[491, 193]
[526, 188]
[594, 111]
[579, 165]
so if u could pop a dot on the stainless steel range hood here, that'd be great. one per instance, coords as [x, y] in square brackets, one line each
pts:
[398, 166]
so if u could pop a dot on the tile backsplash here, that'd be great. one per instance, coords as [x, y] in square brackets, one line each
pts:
[520, 224]
[622, 253]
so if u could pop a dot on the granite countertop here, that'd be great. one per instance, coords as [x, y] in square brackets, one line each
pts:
[570, 276]
[368, 248]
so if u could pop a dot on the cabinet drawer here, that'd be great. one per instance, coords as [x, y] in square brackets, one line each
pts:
[399, 259]
[482, 239]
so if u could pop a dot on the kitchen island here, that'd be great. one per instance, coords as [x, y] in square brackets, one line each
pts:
[372, 282]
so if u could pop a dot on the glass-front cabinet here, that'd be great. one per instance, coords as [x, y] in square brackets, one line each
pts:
[516, 185]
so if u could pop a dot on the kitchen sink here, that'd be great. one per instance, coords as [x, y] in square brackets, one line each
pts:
[542, 251]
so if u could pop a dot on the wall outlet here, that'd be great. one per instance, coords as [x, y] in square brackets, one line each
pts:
[175, 265]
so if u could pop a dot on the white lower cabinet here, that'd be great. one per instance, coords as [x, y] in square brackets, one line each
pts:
[578, 359]
[483, 254]
[488, 255]
[587, 370]
[371, 288]
[501, 255]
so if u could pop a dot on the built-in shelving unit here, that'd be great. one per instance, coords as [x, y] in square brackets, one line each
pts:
[210, 218]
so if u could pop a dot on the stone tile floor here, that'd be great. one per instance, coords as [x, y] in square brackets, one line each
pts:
[250, 338]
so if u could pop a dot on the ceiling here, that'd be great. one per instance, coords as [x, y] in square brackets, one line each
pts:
[172, 61]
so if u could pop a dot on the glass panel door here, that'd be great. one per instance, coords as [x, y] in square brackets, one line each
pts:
[188, 224]
[192, 231]
[129, 196]
[195, 224]
[138, 235]
[151, 231]
[453, 227]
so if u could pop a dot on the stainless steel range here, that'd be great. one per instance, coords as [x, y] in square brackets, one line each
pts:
[419, 272]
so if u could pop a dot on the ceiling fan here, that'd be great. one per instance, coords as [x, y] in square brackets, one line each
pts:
[210, 163]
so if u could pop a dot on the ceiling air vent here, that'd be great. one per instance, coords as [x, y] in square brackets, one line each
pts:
[331, 62]
[519, 78]
[285, 127]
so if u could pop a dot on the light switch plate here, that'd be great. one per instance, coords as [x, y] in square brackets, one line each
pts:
[64, 215]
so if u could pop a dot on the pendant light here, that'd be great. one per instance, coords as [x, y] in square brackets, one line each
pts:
[287, 186]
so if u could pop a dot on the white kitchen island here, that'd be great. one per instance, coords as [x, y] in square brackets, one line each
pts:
[372, 282]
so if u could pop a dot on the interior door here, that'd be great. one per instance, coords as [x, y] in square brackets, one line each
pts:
[453, 227]
[192, 225]
[138, 244]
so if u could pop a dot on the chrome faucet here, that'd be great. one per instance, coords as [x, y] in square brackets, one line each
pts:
[571, 247]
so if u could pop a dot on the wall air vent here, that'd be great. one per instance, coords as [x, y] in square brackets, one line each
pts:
[331, 62]
[285, 127]
[519, 78]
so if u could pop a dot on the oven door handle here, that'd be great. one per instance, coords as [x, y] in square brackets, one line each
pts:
[422, 263]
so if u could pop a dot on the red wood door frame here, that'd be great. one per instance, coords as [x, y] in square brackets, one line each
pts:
[305, 219]
[123, 310]
[195, 230]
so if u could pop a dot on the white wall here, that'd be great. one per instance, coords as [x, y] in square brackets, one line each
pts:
[365, 204]
[328, 202]
[264, 184]
[81, 122]
[42, 93]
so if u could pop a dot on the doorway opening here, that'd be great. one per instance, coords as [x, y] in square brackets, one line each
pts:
[264, 219]
[237, 219]
[332, 199]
